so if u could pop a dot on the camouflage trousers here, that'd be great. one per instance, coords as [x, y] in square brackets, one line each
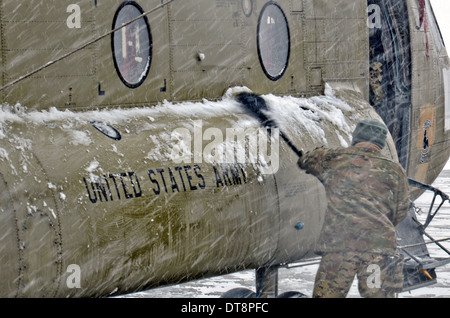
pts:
[379, 276]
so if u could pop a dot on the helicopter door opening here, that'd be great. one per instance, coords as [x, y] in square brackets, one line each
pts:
[390, 71]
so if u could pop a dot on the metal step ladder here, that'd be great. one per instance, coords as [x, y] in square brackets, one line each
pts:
[419, 268]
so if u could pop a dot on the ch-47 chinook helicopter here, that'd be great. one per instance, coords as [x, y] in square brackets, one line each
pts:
[140, 140]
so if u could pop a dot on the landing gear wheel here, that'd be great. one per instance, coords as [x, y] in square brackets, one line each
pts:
[239, 293]
[292, 294]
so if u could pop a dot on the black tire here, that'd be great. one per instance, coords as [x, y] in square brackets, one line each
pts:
[239, 293]
[292, 294]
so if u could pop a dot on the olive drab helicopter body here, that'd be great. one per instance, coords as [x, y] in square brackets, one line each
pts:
[116, 115]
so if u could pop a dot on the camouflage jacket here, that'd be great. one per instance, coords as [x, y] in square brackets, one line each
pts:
[368, 196]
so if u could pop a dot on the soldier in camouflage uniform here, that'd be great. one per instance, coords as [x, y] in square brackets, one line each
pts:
[368, 196]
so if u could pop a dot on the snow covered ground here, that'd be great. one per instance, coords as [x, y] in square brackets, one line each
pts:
[438, 229]
[302, 278]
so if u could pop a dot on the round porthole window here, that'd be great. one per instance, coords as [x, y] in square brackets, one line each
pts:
[247, 7]
[131, 45]
[273, 41]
